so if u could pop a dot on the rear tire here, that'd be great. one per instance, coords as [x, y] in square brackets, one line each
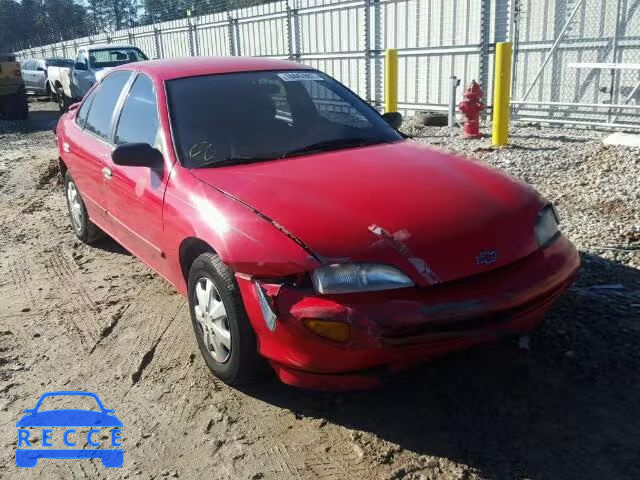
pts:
[240, 362]
[86, 231]
[63, 101]
[16, 106]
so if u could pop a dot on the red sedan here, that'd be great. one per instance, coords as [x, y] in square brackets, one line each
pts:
[307, 233]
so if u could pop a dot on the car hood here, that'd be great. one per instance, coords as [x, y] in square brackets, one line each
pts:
[69, 418]
[436, 216]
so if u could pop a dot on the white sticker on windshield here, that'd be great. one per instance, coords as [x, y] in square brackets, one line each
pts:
[299, 76]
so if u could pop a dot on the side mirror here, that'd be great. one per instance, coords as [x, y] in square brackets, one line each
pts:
[137, 155]
[393, 118]
[80, 66]
[41, 69]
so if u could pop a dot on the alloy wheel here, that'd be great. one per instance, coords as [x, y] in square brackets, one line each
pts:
[74, 205]
[212, 319]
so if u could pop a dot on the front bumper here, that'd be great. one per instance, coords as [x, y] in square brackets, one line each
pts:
[396, 329]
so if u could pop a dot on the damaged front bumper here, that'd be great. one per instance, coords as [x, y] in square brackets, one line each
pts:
[393, 330]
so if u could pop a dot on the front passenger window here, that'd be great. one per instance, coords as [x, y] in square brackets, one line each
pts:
[104, 102]
[139, 118]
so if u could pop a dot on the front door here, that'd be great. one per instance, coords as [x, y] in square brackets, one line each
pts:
[135, 194]
[81, 79]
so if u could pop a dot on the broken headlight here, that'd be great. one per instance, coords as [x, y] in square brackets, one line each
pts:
[547, 226]
[358, 277]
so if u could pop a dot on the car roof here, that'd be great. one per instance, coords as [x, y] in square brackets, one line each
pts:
[102, 46]
[169, 69]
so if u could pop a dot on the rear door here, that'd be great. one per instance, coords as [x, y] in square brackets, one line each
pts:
[135, 194]
[89, 145]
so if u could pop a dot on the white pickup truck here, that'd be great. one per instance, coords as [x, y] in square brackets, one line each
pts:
[91, 64]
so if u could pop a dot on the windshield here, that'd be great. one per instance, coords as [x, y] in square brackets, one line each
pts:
[112, 57]
[256, 116]
[59, 62]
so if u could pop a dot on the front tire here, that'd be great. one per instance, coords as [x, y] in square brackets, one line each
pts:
[86, 231]
[225, 337]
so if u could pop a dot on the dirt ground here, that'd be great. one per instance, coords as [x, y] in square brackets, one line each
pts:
[74, 317]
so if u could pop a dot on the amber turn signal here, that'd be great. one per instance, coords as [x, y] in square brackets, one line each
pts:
[336, 331]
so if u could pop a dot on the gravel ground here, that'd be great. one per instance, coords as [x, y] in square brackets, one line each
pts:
[94, 318]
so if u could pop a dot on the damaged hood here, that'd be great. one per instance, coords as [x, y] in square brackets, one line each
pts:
[434, 215]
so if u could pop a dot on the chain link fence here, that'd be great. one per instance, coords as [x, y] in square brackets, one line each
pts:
[576, 61]
[345, 38]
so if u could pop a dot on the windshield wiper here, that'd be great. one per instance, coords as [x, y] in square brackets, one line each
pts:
[336, 144]
[234, 161]
[323, 146]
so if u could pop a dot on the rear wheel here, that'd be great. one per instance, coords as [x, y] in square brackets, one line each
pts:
[63, 101]
[16, 106]
[225, 337]
[84, 228]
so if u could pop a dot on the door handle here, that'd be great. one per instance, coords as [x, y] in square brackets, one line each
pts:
[106, 171]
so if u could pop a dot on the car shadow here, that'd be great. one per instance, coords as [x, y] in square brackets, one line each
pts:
[567, 408]
[38, 121]
[109, 245]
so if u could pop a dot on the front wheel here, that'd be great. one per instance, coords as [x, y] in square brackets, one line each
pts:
[225, 337]
[84, 228]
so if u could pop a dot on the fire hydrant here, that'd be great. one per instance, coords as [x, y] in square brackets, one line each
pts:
[471, 107]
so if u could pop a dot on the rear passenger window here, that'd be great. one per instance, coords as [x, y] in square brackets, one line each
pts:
[104, 102]
[84, 110]
[139, 118]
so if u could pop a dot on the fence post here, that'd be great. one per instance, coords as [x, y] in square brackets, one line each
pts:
[391, 80]
[190, 36]
[293, 33]
[485, 33]
[377, 47]
[614, 88]
[196, 41]
[157, 35]
[234, 48]
[367, 51]
[236, 26]
[501, 94]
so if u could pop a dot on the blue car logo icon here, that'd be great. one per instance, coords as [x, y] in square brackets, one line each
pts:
[68, 419]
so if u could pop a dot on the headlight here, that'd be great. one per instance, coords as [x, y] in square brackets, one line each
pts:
[547, 225]
[358, 277]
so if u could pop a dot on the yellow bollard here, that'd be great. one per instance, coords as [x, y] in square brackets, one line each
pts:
[391, 80]
[501, 94]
